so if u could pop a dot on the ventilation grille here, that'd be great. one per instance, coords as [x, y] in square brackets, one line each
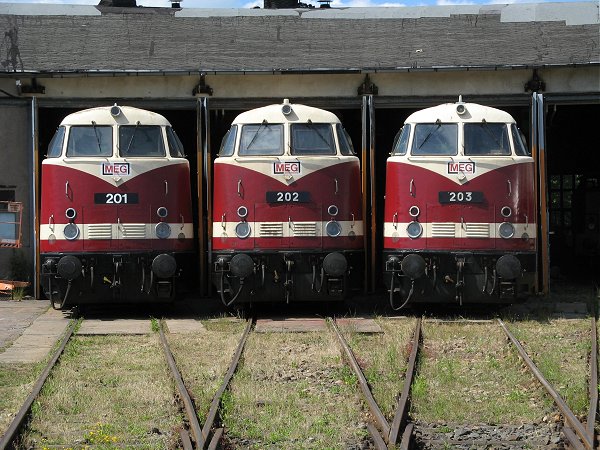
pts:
[477, 230]
[306, 229]
[447, 230]
[267, 230]
[99, 231]
[134, 230]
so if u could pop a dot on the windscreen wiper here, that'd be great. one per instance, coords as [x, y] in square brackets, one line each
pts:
[132, 136]
[97, 138]
[439, 125]
[310, 125]
[264, 122]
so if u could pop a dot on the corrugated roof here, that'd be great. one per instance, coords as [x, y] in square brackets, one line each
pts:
[69, 38]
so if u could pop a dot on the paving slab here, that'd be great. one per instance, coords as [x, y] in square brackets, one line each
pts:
[360, 324]
[290, 325]
[185, 326]
[115, 326]
[36, 341]
[16, 316]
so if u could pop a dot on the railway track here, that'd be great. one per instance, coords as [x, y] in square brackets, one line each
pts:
[405, 433]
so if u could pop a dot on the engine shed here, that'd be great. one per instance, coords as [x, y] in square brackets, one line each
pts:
[372, 67]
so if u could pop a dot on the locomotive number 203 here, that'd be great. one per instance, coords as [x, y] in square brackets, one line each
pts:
[287, 197]
[460, 197]
[115, 198]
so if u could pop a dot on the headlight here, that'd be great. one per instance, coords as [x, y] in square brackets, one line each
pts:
[333, 229]
[71, 231]
[242, 212]
[162, 212]
[242, 230]
[506, 211]
[163, 230]
[414, 230]
[333, 210]
[70, 213]
[506, 230]
[414, 211]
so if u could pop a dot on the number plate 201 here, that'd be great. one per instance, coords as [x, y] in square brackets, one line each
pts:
[115, 199]
[288, 197]
[460, 197]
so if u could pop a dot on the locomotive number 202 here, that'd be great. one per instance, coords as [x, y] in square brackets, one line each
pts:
[287, 197]
[460, 197]
[115, 199]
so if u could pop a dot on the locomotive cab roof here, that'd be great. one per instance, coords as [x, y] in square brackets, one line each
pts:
[111, 115]
[286, 112]
[460, 112]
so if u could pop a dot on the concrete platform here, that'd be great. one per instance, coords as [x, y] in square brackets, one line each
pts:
[37, 336]
[115, 326]
[184, 326]
[359, 325]
[290, 325]
[15, 316]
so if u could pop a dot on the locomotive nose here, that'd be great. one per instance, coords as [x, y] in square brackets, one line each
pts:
[164, 266]
[335, 264]
[69, 267]
[508, 266]
[413, 265]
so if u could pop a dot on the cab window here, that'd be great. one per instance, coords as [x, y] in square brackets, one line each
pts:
[89, 141]
[401, 141]
[175, 146]
[486, 139]
[55, 146]
[137, 141]
[434, 139]
[228, 142]
[261, 140]
[519, 141]
[346, 147]
[312, 139]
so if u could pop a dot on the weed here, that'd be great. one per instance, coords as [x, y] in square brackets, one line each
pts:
[154, 325]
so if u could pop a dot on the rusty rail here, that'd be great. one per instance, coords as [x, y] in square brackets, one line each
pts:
[593, 384]
[401, 414]
[380, 419]
[11, 433]
[580, 435]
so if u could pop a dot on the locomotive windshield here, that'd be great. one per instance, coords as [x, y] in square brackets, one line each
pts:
[346, 147]
[55, 146]
[261, 140]
[486, 139]
[312, 139]
[401, 141]
[141, 141]
[434, 139]
[175, 146]
[228, 142]
[88, 141]
[519, 141]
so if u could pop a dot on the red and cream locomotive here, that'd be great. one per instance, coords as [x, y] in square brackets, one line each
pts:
[460, 209]
[116, 217]
[287, 215]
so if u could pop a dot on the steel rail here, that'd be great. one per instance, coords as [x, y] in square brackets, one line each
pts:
[10, 434]
[185, 396]
[215, 404]
[593, 384]
[564, 408]
[364, 385]
[402, 409]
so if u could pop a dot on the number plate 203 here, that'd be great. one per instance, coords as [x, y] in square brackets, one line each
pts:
[288, 197]
[115, 199]
[460, 197]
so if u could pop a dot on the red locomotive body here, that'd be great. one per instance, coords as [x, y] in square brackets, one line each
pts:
[460, 210]
[116, 218]
[287, 216]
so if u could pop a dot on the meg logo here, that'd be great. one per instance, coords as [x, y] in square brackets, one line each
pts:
[115, 168]
[464, 167]
[286, 167]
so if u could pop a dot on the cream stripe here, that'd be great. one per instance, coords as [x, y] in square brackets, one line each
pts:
[285, 229]
[116, 231]
[456, 230]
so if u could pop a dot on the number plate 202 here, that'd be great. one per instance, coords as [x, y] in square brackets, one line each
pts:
[115, 199]
[460, 197]
[288, 197]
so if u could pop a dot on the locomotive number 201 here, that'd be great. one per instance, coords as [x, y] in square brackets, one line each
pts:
[115, 198]
[287, 197]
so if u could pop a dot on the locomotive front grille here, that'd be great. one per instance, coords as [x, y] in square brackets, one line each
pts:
[443, 230]
[306, 229]
[268, 230]
[477, 230]
[99, 231]
[134, 230]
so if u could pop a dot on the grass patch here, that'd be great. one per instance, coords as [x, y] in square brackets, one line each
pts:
[107, 391]
[560, 348]
[294, 391]
[469, 375]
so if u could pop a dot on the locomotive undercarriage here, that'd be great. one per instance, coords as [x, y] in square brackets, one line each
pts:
[69, 279]
[458, 277]
[285, 276]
